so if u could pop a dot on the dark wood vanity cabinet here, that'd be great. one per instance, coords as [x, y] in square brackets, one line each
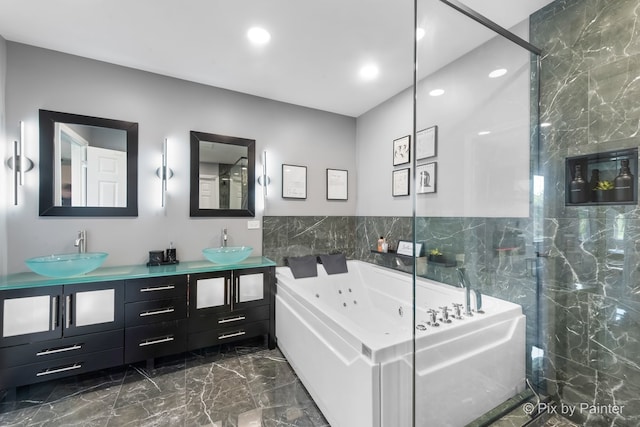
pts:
[155, 317]
[50, 331]
[231, 305]
[55, 331]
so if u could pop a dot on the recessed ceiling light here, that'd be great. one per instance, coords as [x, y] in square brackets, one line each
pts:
[369, 72]
[497, 73]
[258, 36]
[419, 33]
[436, 92]
[484, 132]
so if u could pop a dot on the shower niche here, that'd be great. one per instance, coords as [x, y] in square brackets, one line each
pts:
[607, 178]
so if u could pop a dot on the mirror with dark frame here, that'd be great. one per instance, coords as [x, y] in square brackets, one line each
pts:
[222, 175]
[88, 166]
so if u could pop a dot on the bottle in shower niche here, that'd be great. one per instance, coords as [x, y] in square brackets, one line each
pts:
[578, 187]
[593, 184]
[623, 184]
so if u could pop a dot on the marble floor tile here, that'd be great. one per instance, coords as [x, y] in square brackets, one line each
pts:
[227, 386]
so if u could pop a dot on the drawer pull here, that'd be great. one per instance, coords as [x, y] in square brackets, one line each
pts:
[160, 341]
[58, 350]
[158, 288]
[156, 312]
[232, 319]
[235, 334]
[56, 371]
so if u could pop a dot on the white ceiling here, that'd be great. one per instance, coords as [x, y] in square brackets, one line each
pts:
[313, 58]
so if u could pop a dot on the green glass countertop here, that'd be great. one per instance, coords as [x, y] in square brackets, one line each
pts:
[104, 274]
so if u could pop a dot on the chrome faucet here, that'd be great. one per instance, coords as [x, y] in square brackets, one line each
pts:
[81, 241]
[225, 237]
[464, 283]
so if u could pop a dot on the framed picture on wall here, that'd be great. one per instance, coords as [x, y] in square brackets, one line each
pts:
[294, 182]
[426, 178]
[427, 143]
[400, 182]
[337, 184]
[402, 150]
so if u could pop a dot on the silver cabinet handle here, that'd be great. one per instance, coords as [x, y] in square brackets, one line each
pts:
[158, 288]
[228, 300]
[58, 350]
[160, 341]
[235, 334]
[54, 312]
[55, 371]
[156, 312]
[68, 311]
[233, 319]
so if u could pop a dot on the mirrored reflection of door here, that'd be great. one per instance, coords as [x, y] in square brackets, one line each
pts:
[106, 177]
[90, 167]
[209, 192]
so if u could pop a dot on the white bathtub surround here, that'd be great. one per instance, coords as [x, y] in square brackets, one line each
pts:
[349, 338]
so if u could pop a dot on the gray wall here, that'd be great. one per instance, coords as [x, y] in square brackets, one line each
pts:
[478, 176]
[164, 108]
[5, 175]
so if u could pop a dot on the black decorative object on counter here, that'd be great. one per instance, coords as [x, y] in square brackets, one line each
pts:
[623, 183]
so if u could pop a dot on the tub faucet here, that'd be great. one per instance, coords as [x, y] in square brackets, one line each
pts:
[81, 241]
[225, 238]
[464, 283]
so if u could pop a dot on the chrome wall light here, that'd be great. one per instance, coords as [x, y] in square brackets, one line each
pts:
[263, 179]
[19, 164]
[163, 172]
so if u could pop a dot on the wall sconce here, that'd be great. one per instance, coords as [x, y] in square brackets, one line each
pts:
[163, 172]
[19, 164]
[263, 179]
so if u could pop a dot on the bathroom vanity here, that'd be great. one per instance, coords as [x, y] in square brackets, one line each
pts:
[52, 328]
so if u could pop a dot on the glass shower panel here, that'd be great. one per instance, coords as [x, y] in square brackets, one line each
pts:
[475, 287]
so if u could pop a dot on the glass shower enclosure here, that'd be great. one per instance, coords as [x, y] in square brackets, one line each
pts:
[475, 142]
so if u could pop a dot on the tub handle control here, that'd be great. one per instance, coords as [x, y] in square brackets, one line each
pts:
[457, 309]
[433, 317]
[445, 314]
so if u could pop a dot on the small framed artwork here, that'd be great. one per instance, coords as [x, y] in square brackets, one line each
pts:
[294, 182]
[402, 150]
[426, 178]
[406, 248]
[400, 182]
[427, 143]
[337, 184]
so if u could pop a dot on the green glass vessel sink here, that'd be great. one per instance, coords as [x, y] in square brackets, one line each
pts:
[66, 265]
[227, 255]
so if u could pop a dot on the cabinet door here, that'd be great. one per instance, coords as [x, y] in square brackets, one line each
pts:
[29, 315]
[93, 307]
[209, 293]
[250, 288]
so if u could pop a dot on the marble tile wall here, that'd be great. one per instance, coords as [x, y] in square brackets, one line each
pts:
[591, 283]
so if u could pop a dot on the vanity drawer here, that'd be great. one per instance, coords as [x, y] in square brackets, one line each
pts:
[158, 339]
[155, 288]
[230, 334]
[201, 323]
[155, 311]
[45, 351]
[59, 368]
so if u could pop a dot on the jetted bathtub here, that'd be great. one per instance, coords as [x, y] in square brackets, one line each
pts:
[349, 337]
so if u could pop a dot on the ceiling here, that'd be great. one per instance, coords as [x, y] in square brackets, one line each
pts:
[313, 58]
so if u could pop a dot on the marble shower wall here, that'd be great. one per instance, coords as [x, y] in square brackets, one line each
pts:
[591, 284]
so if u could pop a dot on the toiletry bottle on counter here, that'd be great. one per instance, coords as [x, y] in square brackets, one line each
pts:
[385, 246]
[380, 242]
[623, 184]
